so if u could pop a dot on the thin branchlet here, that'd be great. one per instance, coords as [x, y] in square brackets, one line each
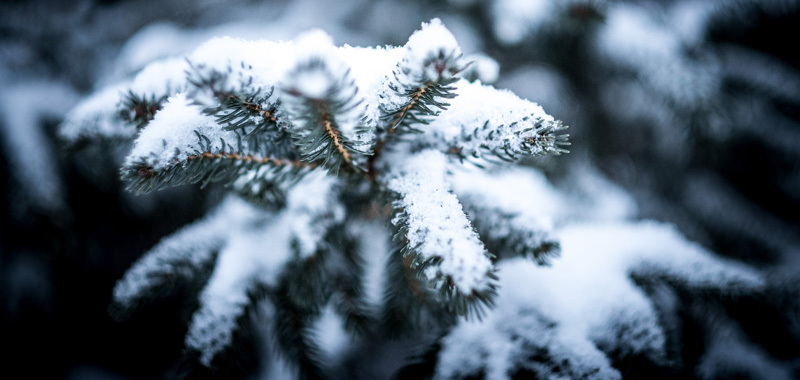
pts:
[401, 113]
[140, 109]
[258, 109]
[210, 163]
[251, 158]
[236, 107]
[335, 138]
[318, 119]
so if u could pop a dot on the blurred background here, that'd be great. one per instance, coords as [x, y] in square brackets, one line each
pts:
[693, 107]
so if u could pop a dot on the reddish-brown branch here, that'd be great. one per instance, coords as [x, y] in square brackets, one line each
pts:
[402, 113]
[371, 172]
[334, 135]
[251, 158]
[267, 114]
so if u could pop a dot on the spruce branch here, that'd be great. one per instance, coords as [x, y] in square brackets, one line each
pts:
[118, 112]
[335, 137]
[408, 306]
[420, 106]
[138, 109]
[183, 145]
[241, 356]
[420, 83]
[445, 250]
[485, 120]
[99, 118]
[240, 270]
[510, 234]
[236, 104]
[325, 109]
[229, 125]
[515, 224]
[535, 137]
[185, 256]
[211, 163]
[429, 66]
[237, 113]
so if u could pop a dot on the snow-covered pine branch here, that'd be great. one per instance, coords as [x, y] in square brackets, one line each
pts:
[510, 222]
[483, 119]
[183, 145]
[325, 107]
[324, 146]
[562, 321]
[186, 256]
[655, 55]
[246, 273]
[240, 106]
[446, 252]
[431, 60]
[118, 111]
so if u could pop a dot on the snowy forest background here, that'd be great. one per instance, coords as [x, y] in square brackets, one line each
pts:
[683, 112]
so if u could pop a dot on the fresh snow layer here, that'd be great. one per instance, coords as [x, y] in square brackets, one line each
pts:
[519, 189]
[190, 247]
[433, 41]
[371, 68]
[374, 247]
[484, 118]
[482, 68]
[587, 300]
[254, 255]
[437, 225]
[320, 74]
[330, 335]
[503, 209]
[98, 114]
[430, 56]
[172, 135]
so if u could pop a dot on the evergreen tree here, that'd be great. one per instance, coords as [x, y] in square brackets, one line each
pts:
[377, 196]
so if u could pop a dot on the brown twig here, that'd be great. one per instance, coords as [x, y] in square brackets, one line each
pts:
[251, 158]
[371, 172]
[267, 114]
[402, 113]
[334, 135]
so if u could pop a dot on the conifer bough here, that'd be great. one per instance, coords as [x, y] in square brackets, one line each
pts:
[317, 139]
